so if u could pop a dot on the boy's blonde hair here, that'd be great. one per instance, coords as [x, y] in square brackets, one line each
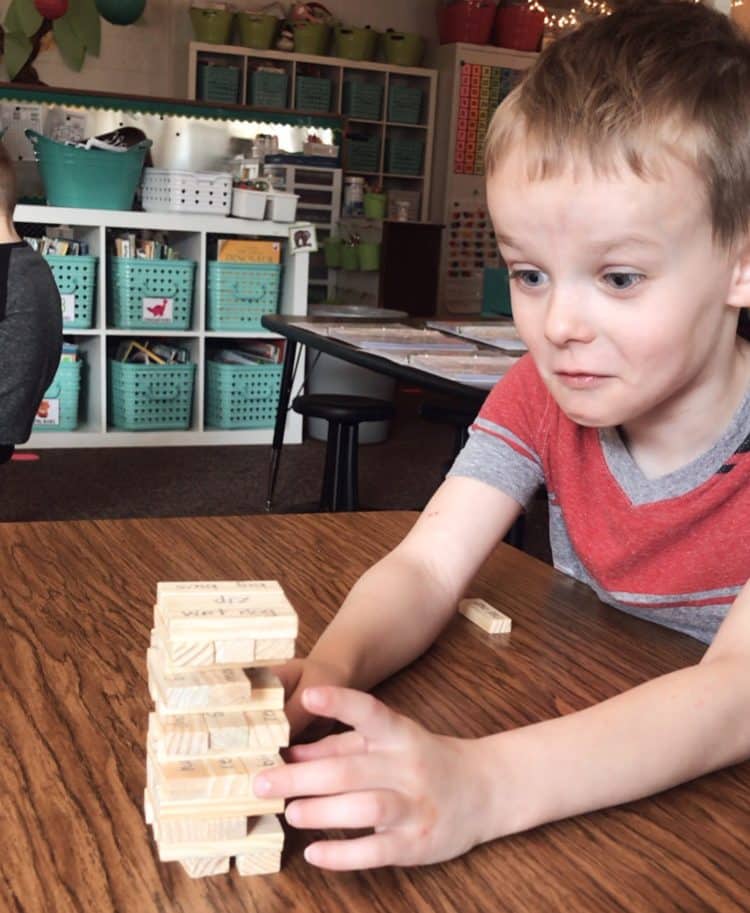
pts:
[659, 76]
[7, 183]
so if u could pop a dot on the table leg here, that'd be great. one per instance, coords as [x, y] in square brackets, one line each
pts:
[287, 377]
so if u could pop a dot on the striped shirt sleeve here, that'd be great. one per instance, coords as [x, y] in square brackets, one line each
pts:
[502, 449]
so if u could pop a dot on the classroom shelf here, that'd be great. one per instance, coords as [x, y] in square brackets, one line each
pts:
[192, 235]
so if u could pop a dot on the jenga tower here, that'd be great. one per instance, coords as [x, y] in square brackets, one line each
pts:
[219, 720]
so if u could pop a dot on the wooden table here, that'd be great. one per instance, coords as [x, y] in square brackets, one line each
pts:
[75, 616]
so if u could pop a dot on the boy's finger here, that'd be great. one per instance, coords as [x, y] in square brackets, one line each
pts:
[357, 709]
[332, 746]
[328, 776]
[368, 852]
[370, 808]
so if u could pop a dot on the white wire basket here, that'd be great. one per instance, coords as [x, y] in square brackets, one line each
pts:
[186, 191]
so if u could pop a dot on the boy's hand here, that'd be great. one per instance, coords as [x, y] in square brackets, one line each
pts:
[296, 675]
[420, 792]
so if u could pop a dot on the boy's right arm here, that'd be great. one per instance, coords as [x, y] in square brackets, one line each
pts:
[399, 606]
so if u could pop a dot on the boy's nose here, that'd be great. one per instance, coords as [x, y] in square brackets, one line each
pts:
[566, 318]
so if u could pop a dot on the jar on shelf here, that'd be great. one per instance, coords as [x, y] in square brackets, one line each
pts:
[354, 196]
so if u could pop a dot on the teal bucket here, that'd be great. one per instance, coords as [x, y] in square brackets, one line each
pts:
[88, 178]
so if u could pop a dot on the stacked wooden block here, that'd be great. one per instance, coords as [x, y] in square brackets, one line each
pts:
[219, 720]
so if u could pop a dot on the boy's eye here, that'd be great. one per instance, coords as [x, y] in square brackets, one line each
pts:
[622, 282]
[529, 278]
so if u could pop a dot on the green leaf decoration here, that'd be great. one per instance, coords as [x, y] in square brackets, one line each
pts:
[29, 17]
[17, 51]
[71, 47]
[83, 17]
[12, 21]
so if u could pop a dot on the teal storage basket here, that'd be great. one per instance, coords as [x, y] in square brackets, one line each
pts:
[242, 396]
[58, 410]
[362, 99]
[218, 83]
[404, 104]
[404, 156]
[151, 294]
[313, 93]
[88, 178]
[268, 90]
[75, 277]
[150, 397]
[363, 154]
[239, 294]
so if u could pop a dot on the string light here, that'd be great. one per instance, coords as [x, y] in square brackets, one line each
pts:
[558, 22]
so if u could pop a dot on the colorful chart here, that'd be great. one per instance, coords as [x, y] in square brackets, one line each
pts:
[481, 90]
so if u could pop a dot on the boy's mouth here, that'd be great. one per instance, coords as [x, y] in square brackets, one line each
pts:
[580, 380]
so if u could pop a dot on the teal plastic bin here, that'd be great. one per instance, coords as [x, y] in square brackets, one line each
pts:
[242, 396]
[219, 83]
[150, 397]
[404, 104]
[313, 93]
[268, 90]
[496, 292]
[88, 178]
[75, 277]
[404, 156]
[363, 154]
[239, 294]
[58, 410]
[151, 294]
[362, 99]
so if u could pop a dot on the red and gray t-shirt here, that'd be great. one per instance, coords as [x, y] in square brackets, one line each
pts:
[673, 550]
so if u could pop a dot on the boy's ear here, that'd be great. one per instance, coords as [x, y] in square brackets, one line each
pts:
[739, 289]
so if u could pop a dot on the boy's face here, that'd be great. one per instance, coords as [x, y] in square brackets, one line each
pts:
[617, 289]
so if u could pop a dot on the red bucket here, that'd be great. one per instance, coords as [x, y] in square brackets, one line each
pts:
[518, 28]
[469, 21]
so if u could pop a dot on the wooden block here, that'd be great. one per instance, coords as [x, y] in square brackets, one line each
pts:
[186, 591]
[234, 651]
[213, 787]
[148, 808]
[486, 616]
[180, 734]
[263, 834]
[259, 862]
[209, 689]
[201, 868]
[274, 648]
[227, 731]
[269, 730]
[221, 615]
[266, 693]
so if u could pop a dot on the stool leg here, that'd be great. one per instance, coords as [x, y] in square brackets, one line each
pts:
[327, 494]
[345, 471]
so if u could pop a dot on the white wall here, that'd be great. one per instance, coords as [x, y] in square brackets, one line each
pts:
[149, 58]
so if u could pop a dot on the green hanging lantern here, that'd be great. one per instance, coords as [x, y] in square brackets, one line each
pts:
[121, 12]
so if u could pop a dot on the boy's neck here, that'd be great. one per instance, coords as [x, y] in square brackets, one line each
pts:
[8, 231]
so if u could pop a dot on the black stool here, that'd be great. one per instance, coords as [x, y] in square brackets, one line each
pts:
[343, 414]
[450, 414]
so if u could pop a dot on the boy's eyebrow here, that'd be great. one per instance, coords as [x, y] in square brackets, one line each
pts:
[606, 244]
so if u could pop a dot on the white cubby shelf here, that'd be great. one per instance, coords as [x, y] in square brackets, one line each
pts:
[190, 234]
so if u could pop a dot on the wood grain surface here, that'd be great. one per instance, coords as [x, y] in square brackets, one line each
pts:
[75, 617]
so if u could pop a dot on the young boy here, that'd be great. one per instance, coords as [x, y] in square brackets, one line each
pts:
[30, 324]
[619, 188]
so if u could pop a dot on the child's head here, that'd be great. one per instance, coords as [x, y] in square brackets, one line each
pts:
[656, 77]
[619, 189]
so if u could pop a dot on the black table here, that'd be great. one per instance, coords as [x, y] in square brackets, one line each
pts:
[296, 333]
